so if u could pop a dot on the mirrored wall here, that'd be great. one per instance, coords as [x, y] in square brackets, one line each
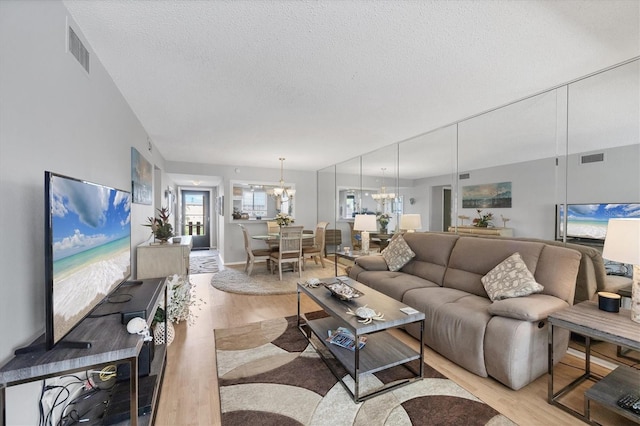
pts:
[511, 171]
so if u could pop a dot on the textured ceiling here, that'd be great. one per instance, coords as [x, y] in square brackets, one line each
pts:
[245, 82]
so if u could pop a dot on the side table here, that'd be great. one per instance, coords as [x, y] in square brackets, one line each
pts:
[614, 327]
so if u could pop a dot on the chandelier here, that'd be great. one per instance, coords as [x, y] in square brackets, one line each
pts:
[383, 195]
[282, 191]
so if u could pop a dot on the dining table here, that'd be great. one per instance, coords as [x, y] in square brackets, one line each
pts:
[276, 236]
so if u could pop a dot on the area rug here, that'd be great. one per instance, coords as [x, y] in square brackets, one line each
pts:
[268, 374]
[202, 264]
[235, 280]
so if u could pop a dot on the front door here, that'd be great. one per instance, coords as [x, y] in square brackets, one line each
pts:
[195, 217]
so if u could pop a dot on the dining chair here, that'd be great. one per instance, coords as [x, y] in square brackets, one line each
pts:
[317, 250]
[273, 228]
[253, 255]
[289, 249]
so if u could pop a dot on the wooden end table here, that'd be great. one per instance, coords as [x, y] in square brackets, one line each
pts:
[614, 327]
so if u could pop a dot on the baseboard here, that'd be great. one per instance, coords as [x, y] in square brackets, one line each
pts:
[594, 359]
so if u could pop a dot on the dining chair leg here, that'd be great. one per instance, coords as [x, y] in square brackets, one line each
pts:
[280, 270]
[321, 260]
[246, 265]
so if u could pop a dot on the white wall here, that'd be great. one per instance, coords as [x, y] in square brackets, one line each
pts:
[53, 116]
[231, 242]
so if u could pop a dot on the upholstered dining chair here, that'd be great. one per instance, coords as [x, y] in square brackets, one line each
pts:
[316, 251]
[289, 249]
[253, 255]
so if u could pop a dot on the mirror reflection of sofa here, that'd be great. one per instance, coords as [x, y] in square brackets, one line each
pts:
[505, 339]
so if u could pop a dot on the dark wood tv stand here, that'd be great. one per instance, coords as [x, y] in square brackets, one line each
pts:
[110, 343]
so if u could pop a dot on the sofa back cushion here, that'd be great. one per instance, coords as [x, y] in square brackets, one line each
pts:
[432, 254]
[557, 271]
[471, 259]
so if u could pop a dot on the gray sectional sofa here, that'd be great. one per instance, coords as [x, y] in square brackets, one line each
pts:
[505, 339]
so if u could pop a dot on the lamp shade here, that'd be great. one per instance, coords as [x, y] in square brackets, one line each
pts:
[410, 221]
[365, 222]
[622, 243]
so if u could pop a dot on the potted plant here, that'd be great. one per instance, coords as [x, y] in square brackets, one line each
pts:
[483, 220]
[160, 226]
[383, 219]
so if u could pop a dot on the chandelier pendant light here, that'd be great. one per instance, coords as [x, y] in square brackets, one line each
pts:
[383, 195]
[281, 191]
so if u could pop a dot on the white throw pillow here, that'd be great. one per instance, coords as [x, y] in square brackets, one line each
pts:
[397, 253]
[510, 278]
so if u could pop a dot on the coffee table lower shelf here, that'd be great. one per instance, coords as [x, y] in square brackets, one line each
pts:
[382, 351]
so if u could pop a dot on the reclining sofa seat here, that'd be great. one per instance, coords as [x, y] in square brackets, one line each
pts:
[506, 339]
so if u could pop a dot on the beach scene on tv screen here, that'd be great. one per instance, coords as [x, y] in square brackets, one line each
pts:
[590, 220]
[91, 227]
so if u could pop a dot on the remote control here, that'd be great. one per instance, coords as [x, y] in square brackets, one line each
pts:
[628, 400]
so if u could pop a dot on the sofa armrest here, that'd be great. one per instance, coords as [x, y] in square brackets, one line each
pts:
[372, 263]
[534, 307]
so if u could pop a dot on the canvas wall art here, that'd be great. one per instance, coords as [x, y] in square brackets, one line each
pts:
[490, 195]
[141, 178]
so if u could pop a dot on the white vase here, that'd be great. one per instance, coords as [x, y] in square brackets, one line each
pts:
[158, 333]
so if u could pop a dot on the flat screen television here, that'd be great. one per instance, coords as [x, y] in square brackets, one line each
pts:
[588, 222]
[87, 250]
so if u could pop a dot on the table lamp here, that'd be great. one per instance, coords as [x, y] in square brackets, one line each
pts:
[410, 222]
[622, 244]
[365, 223]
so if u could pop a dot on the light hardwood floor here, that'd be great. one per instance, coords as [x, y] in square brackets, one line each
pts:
[189, 392]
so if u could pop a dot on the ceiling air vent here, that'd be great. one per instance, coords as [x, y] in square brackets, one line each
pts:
[464, 176]
[592, 158]
[78, 50]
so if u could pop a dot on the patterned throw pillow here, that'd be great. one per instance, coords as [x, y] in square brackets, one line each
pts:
[397, 254]
[511, 278]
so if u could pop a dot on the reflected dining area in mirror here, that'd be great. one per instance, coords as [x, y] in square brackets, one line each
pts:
[286, 245]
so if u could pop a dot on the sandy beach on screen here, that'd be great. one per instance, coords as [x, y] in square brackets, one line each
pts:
[78, 291]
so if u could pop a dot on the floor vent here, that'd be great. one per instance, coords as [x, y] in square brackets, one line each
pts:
[592, 158]
[78, 50]
[464, 176]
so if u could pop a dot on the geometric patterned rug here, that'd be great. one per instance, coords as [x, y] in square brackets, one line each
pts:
[268, 374]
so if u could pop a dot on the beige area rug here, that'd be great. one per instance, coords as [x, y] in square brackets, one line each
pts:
[235, 280]
[268, 374]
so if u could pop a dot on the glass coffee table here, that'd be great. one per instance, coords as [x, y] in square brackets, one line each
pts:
[382, 349]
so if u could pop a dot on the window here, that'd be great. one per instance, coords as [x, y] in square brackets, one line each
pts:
[254, 202]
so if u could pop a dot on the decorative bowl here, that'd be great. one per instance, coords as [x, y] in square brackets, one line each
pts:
[343, 291]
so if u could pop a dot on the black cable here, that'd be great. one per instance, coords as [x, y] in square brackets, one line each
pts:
[103, 315]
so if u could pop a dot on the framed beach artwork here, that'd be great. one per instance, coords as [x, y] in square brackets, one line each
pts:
[490, 195]
[141, 178]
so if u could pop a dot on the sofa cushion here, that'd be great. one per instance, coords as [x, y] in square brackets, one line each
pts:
[473, 257]
[532, 308]
[510, 278]
[397, 254]
[373, 262]
[393, 284]
[432, 254]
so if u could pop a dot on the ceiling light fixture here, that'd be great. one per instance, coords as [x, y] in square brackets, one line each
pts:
[383, 195]
[282, 191]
